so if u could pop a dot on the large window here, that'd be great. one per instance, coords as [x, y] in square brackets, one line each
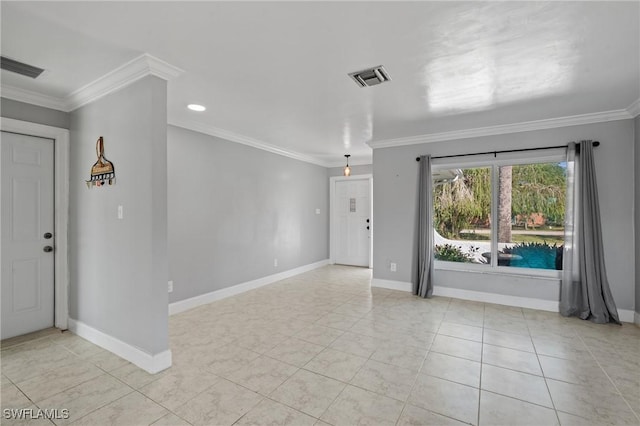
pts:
[501, 215]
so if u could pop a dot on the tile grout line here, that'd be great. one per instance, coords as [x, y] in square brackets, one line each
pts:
[637, 415]
[334, 399]
[287, 405]
[64, 389]
[61, 346]
[451, 381]
[415, 380]
[169, 409]
[367, 390]
[200, 393]
[157, 403]
[104, 405]
[519, 399]
[544, 377]
[319, 374]
[484, 318]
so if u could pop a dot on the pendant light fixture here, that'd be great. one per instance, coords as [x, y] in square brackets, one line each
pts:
[347, 169]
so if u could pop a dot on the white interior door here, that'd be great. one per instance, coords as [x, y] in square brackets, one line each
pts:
[27, 183]
[352, 212]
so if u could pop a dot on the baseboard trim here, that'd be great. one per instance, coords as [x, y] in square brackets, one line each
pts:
[498, 299]
[150, 363]
[478, 296]
[392, 285]
[223, 293]
[627, 315]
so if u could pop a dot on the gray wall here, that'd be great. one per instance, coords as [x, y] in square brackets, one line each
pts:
[637, 208]
[395, 194]
[118, 268]
[33, 113]
[233, 209]
[365, 169]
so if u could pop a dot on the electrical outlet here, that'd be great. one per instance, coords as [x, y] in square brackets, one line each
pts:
[393, 266]
[317, 211]
[275, 263]
[120, 212]
[170, 286]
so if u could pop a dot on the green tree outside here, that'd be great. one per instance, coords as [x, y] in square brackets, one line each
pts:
[466, 203]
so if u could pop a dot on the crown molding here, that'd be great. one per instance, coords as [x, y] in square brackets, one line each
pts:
[634, 109]
[34, 98]
[527, 126]
[124, 75]
[256, 143]
[245, 140]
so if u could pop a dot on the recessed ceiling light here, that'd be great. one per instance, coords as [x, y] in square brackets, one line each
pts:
[196, 107]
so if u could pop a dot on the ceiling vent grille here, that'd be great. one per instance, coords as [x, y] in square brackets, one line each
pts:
[20, 67]
[370, 77]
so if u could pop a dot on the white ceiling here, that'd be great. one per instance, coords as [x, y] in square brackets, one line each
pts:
[276, 72]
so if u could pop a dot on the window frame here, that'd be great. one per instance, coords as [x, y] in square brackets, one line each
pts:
[494, 161]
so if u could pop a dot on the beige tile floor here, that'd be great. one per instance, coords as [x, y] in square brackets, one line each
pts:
[325, 348]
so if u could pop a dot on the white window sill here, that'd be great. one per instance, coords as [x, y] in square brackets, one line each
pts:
[543, 274]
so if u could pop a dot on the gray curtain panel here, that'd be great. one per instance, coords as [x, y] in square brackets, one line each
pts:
[570, 285]
[585, 289]
[423, 284]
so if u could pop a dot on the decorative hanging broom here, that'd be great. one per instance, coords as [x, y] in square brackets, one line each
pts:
[103, 170]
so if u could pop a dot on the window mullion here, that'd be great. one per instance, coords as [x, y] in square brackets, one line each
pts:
[494, 215]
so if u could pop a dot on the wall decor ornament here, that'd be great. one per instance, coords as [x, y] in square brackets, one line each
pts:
[103, 170]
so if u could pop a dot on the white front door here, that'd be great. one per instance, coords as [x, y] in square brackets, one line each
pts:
[352, 213]
[27, 234]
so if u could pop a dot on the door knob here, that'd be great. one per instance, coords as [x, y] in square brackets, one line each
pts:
[48, 235]
[367, 226]
[47, 249]
[367, 220]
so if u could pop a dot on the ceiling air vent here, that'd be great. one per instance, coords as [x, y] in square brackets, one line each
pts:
[19, 67]
[370, 77]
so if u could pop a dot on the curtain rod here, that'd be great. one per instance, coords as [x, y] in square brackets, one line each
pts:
[595, 143]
